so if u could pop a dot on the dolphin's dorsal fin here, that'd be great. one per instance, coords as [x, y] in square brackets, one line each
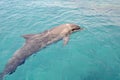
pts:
[65, 40]
[28, 36]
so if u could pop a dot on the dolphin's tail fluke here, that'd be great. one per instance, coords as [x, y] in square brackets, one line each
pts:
[1, 76]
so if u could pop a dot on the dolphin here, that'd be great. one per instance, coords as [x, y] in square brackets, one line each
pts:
[36, 42]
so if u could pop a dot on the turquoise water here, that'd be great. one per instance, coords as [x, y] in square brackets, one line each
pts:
[92, 54]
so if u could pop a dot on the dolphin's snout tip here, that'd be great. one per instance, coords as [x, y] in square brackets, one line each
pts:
[79, 28]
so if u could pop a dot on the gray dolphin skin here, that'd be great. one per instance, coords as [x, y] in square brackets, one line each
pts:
[36, 42]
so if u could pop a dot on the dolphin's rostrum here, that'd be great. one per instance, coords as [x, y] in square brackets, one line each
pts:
[35, 42]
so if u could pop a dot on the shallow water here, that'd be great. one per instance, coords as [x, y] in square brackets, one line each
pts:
[92, 54]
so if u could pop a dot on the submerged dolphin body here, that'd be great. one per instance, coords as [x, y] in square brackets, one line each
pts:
[35, 42]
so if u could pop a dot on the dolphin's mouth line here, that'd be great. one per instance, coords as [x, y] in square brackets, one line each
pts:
[76, 29]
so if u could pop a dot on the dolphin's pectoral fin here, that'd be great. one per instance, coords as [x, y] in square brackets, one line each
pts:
[27, 36]
[66, 39]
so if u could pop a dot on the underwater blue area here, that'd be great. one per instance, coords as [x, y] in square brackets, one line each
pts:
[91, 54]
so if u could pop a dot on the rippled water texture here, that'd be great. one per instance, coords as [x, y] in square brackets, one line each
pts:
[92, 54]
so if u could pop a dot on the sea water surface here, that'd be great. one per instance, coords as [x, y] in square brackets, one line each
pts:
[91, 54]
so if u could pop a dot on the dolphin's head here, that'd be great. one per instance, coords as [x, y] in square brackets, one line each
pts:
[74, 28]
[67, 29]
